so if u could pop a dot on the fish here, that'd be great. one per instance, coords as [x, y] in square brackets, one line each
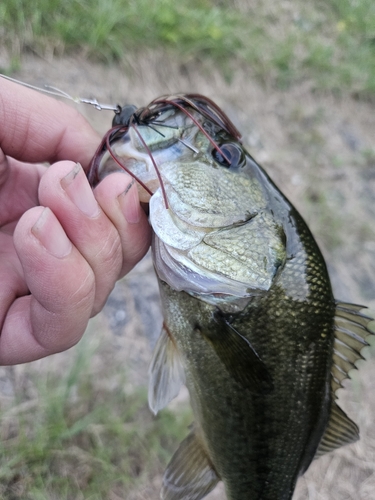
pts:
[251, 326]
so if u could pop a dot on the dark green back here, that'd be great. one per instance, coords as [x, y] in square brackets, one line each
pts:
[260, 444]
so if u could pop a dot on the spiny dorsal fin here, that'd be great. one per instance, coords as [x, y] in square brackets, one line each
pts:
[166, 372]
[339, 432]
[190, 474]
[354, 325]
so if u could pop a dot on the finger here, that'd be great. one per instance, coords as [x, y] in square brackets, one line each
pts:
[67, 192]
[118, 196]
[11, 275]
[39, 128]
[62, 286]
[19, 184]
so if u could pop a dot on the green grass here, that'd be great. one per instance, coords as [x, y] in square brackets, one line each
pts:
[74, 440]
[331, 44]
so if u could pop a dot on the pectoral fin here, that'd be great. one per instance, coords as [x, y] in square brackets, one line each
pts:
[190, 474]
[238, 356]
[166, 372]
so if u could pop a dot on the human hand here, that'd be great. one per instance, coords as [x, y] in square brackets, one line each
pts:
[61, 248]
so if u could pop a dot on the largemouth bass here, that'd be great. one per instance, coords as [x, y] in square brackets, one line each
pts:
[250, 323]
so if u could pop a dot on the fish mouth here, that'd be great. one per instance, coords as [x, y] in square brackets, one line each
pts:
[175, 235]
[202, 193]
[139, 166]
[164, 122]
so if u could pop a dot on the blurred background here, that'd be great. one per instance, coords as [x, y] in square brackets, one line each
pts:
[298, 79]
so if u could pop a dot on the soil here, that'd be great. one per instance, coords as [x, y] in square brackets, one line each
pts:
[318, 148]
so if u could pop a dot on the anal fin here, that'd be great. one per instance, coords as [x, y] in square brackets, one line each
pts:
[166, 372]
[190, 474]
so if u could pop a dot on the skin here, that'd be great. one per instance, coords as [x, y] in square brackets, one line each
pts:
[62, 246]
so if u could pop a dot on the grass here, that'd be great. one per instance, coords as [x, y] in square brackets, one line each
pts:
[330, 44]
[72, 440]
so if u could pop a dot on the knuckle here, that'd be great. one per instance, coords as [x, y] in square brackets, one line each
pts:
[82, 297]
[109, 256]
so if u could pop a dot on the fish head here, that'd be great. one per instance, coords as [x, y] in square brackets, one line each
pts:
[209, 201]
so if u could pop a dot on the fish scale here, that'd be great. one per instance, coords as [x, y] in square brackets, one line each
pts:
[274, 337]
[250, 322]
[280, 336]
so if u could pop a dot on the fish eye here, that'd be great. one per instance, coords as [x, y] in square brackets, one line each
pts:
[233, 152]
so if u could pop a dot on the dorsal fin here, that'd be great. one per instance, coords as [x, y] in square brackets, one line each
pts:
[339, 432]
[354, 325]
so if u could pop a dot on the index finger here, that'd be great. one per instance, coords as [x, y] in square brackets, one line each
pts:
[37, 128]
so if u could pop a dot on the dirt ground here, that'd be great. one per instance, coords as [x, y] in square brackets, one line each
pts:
[320, 150]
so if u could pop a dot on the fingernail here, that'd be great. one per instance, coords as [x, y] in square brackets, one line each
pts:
[78, 189]
[51, 235]
[129, 204]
